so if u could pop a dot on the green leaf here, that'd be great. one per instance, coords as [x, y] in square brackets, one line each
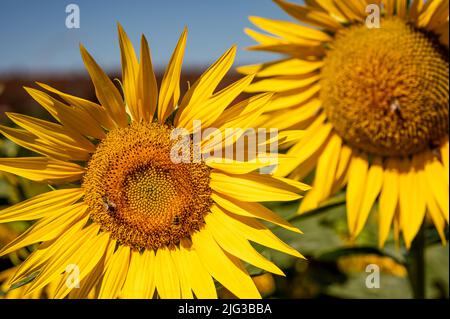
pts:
[24, 281]
[437, 275]
[391, 287]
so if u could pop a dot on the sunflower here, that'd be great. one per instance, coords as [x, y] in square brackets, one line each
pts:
[374, 104]
[139, 224]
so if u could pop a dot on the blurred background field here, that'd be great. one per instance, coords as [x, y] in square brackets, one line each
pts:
[40, 48]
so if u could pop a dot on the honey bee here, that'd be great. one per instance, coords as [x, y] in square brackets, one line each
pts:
[109, 205]
[395, 105]
[396, 108]
[176, 220]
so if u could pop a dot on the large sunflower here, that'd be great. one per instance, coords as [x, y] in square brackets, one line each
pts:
[141, 225]
[373, 101]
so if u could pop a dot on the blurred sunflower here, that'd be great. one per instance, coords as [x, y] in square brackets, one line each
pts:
[141, 225]
[373, 101]
[359, 263]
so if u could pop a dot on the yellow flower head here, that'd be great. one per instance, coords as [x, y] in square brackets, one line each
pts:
[141, 225]
[369, 83]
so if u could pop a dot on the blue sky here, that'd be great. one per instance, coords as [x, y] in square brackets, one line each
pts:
[34, 37]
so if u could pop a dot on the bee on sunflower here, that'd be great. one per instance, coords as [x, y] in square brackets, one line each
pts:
[373, 102]
[139, 225]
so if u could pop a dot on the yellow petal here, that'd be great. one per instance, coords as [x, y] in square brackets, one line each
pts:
[224, 267]
[249, 69]
[314, 139]
[54, 133]
[291, 49]
[415, 9]
[42, 205]
[147, 90]
[254, 231]
[41, 146]
[263, 39]
[402, 7]
[86, 258]
[310, 202]
[433, 14]
[326, 167]
[208, 111]
[388, 199]
[389, 7]
[357, 179]
[233, 124]
[237, 245]
[294, 98]
[289, 137]
[140, 282]
[42, 169]
[47, 252]
[291, 31]
[306, 167]
[204, 87]
[412, 200]
[248, 112]
[239, 167]
[200, 280]
[74, 118]
[372, 189]
[254, 210]
[309, 15]
[352, 9]
[330, 7]
[88, 287]
[96, 111]
[183, 274]
[440, 18]
[66, 254]
[437, 181]
[283, 83]
[297, 186]
[170, 85]
[252, 187]
[116, 273]
[342, 170]
[166, 276]
[344, 160]
[444, 151]
[435, 213]
[290, 67]
[30, 265]
[130, 69]
[349, 14]
[106, 92]
[47, 228]
[236, 113]
[397, 227]
[419, 193]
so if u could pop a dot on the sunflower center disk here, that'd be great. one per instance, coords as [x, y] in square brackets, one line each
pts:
[386, 90]
[135, 191]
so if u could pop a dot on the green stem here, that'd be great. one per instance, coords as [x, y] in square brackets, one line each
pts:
[416, 262]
